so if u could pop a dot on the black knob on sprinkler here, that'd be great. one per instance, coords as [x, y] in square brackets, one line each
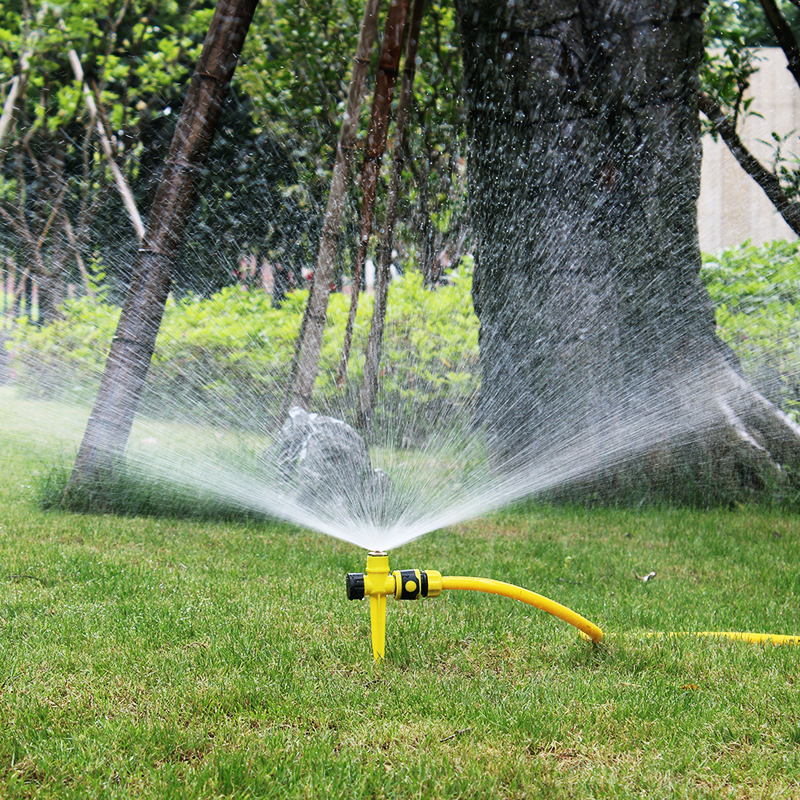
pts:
[411, 584]
[355, 585]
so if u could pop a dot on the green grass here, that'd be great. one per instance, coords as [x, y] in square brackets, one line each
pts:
[158, 658]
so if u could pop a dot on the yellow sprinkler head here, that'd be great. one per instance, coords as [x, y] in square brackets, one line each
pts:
[377, 582]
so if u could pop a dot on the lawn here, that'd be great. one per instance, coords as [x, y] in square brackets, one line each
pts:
[159, 658]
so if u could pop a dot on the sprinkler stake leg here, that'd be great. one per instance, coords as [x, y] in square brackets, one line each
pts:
[377, 620]
[378, 582]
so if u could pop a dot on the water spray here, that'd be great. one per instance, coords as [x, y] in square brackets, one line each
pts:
[377, 583]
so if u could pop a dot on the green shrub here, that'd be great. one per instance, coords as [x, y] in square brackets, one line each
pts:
[756, 294]
[65, 359]
[228, 356]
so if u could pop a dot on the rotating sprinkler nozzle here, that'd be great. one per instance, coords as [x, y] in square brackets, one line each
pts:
[377, 582]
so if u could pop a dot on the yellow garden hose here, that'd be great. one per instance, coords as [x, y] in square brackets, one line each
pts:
[739, 636]
[531, 598]
[377, 582]
[410, 584]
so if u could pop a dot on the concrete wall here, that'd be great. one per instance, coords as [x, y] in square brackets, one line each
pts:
[732, 207]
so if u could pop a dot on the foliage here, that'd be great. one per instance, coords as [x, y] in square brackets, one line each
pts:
[66, 357]
[267, 175]
[138, 55]
[58, 200]
[295, 69]
[228, 354]
[742, 23]
[430, 357]
[756, 293]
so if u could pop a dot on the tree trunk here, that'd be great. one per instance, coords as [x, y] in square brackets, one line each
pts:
[388, 67]
[584, 175]
[372, 355]
[51, 284]
[132, 347]
[309, 341]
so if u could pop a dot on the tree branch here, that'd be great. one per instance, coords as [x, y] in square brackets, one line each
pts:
[17, 84]
[20, 199]
[12, 221]
[122, 185]
[53, 214]
[749, 163]
[76, 250]
[783, 33]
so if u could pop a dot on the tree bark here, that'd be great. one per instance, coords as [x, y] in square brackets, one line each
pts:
[132, 347]
[584, 176]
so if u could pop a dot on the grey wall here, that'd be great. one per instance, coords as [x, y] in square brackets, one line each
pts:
[732, 208]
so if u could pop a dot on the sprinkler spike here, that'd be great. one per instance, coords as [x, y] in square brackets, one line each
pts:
[377, 584]
[377, 622]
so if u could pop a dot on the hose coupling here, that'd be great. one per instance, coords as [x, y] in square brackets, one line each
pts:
[402, 584]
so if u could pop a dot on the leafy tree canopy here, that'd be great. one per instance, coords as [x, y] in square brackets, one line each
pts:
[267, 177]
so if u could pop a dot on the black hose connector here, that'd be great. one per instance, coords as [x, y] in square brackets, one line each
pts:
[355, 585]
[412, 584]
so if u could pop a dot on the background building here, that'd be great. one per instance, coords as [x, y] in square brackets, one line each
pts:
[732, 207]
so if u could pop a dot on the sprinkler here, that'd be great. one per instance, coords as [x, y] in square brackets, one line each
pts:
[377, 582]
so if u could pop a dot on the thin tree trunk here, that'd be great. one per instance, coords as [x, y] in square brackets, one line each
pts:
[369, 383]
[76, 251]
[784, 35]
[376, 143]
[51, 294]
[427, 250]
[16, 293]
[726, 127]
[303, 371]
[51, 289]
[132, 347]
[14, 91]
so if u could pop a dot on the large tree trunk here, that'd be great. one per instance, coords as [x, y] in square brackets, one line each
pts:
[132, 347]
[584, 176]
